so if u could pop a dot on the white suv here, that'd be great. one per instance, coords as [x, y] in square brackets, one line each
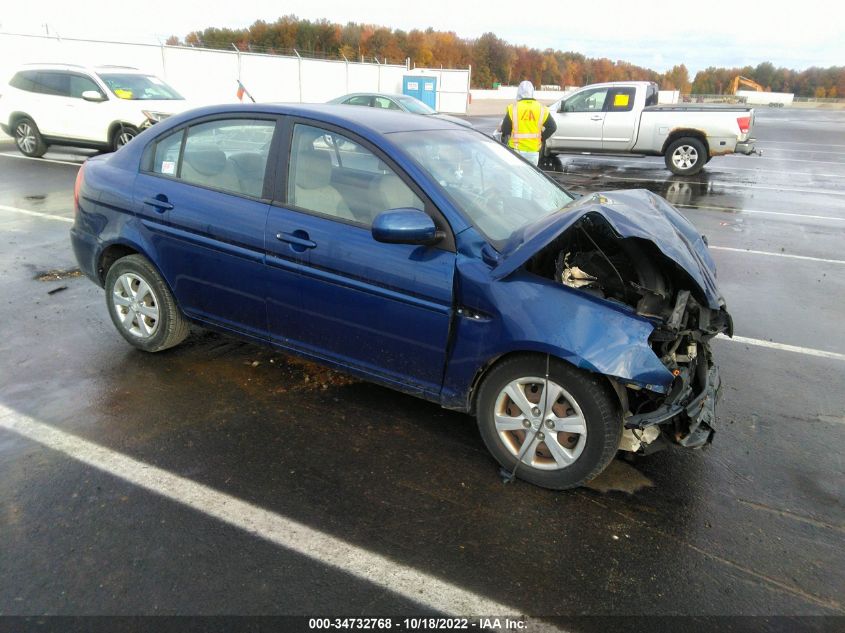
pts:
[101, 108]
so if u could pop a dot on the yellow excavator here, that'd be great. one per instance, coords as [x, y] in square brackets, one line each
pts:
[745, 81]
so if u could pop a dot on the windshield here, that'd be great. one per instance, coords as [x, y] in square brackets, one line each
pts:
[415, 105]
[498, 192]
[139, 87]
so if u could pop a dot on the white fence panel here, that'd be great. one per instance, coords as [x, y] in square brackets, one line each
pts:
[269, 78]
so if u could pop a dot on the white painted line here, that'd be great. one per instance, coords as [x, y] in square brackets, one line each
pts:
[41, 160]
[37, 214]
[799, 151]
[752, 252]
[739, 212]
[721, 167]
[378, 570]
[828, 192]
[809, 351]
[805, 143]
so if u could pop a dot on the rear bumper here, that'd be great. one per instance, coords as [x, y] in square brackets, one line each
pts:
[747, 147]
[86, 248]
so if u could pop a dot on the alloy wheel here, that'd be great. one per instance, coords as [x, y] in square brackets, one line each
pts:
[136, 305]
[540, 423]
[25, 137]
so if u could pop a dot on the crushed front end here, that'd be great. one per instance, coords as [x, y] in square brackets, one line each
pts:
[678, 297]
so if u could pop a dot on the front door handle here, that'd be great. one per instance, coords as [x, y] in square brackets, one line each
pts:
[596, 117]
[298, 240]
[159, 203]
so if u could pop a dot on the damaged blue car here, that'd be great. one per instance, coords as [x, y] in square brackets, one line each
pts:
[420, 255]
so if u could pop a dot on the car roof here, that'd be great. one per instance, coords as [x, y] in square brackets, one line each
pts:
[390, 95]
[376, 121]
[79, 68]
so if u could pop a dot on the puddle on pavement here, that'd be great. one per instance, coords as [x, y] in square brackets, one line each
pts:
[58, 274]
[620, 476]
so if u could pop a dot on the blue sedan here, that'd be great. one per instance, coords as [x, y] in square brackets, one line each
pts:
[421, 255]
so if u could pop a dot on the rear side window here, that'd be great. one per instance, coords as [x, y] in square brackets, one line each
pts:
[384, 102]
[621, 100]
[56, 84]
[360, 100]
[167, 154]
[24, 80]
[230, 155]
[651, 96]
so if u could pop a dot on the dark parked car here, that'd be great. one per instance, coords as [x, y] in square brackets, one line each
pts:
[420, 255]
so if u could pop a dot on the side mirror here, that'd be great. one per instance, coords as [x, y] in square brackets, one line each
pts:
[93, 95]
[405, 226]
[562, 107]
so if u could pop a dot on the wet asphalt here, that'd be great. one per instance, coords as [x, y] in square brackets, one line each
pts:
[753, 525]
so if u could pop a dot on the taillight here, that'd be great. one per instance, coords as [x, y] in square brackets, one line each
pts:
[744, 124]
[76, 189]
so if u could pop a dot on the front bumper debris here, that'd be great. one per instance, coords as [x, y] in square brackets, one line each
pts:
[689, 412]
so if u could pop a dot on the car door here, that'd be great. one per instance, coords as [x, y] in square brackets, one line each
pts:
[52, 103]
[579, 121]
[381, 308]
[620, 120]
[203, 194]
[88, 120]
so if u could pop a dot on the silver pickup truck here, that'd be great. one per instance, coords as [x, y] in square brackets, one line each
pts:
[624, 118]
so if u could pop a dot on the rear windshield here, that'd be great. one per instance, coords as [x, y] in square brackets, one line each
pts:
[138, 87]
[415, 105]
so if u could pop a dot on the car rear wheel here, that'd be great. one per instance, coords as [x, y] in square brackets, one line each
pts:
[686, 156]
[29, 139]
[123, 135]
[142, 307]
[557, 431]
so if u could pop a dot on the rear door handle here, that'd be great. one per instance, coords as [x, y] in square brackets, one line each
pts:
[298, 240]
[159, 204]
[596, 117]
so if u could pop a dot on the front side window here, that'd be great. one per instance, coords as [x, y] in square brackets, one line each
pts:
[80, 84]
[137, 87]
[336, 176]
[587, 101]
[498, 192]
[384, 102]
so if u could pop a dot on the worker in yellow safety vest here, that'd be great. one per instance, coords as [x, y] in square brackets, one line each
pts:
[527, 124]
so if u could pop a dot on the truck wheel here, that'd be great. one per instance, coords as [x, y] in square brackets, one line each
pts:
[29, 139]
[561, 432]
[686, 156]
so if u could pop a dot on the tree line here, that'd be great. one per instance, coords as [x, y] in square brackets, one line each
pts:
[495, 61]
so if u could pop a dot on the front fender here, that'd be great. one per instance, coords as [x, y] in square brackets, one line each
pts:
[526, 313]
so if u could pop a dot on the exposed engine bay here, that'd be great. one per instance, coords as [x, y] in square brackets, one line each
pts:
[592, 258]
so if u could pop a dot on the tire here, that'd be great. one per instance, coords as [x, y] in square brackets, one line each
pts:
[685, 156]
[142, 307]
[28, 138]
[585, 399]
[122, 135]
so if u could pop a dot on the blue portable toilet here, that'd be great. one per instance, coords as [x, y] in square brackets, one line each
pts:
[423, 88]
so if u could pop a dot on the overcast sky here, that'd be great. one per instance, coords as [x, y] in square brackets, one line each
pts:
[658, 34]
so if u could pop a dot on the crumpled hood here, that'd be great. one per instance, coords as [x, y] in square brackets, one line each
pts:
[631, 213]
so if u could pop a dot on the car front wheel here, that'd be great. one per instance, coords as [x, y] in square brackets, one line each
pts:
[142, 307]
[123, 135]
[29, 139]
[556, 431]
